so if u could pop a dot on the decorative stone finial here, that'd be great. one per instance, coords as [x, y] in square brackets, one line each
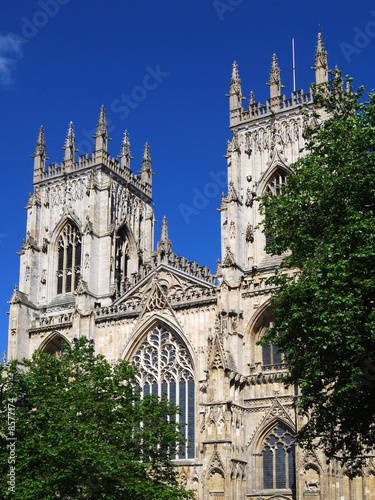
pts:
[70, 144]
[40, 155]
[275, 81]
[235, 83]
[146, 155]
[164, 230]
[321, 63]
[235, 74]
[146, 169]
[101, 135]
[40, 147]
[164, 246]
[235, 92]
[125, 153]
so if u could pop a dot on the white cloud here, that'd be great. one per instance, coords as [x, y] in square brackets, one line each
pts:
[11, 51]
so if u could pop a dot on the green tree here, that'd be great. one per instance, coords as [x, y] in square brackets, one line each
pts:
[323, 222]
[88, 433]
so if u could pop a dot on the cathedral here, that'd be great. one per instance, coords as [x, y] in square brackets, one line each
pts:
[89, 267]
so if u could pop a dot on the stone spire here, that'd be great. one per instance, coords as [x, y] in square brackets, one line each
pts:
[70, 144]
[146, 169]
[125, 153]
[275, 81]
[40, 155]
[101, 135]
[235, 92]
[321, 63]
[164, 246]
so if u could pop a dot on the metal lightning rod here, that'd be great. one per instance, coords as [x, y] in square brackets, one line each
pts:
[294, 67]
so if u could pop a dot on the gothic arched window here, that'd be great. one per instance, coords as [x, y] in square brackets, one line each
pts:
[165, 369]
[274, 185]
[278, 459]
[276, 182]
[69, 259]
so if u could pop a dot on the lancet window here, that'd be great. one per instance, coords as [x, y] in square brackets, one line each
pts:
[278, 459]
[165, 369]
[274, 186]
[122, 260]
[69, 259]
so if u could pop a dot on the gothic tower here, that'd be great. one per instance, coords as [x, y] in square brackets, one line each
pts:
[89, 237]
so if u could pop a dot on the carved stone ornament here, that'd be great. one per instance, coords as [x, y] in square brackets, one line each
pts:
[229, 259]
[88, 226]
[312, 485]
[82, 287]
[249, 233]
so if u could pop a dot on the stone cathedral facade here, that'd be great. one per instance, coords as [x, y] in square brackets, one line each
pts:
[88, 266]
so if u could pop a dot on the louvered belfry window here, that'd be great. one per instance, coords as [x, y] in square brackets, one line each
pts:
[165, 369]
[69, 259]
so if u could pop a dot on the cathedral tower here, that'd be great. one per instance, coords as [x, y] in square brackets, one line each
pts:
[88, 266]
[89, 236]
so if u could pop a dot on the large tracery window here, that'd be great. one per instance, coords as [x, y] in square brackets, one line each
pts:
[165, 369]
[69, 259]
[278, 460]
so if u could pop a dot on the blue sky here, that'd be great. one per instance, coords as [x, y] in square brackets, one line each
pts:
[60, 60]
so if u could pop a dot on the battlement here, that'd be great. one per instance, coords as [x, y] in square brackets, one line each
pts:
[97, 158]
[100, 156]
[277, 101]
[273, 105]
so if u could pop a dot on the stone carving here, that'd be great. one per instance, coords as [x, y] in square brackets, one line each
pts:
[64, 194]
[249, 233]
[275, 136]
[232, 230]
[312, 485]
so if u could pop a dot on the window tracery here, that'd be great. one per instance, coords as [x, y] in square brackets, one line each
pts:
[69, 259]
[274, 185]
[276, 182]
[279, 459]
[165, 369]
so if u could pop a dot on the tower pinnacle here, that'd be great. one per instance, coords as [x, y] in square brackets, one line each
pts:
[275, 81]
[125, 153]
[146, 169]
[101, 135]
[40, 147]
[321, 63]
[70, 144]
[40, 155]
[235, 91]
[164, 245]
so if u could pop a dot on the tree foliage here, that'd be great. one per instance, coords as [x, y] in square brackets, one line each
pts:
[325, 318]
[88, 433]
